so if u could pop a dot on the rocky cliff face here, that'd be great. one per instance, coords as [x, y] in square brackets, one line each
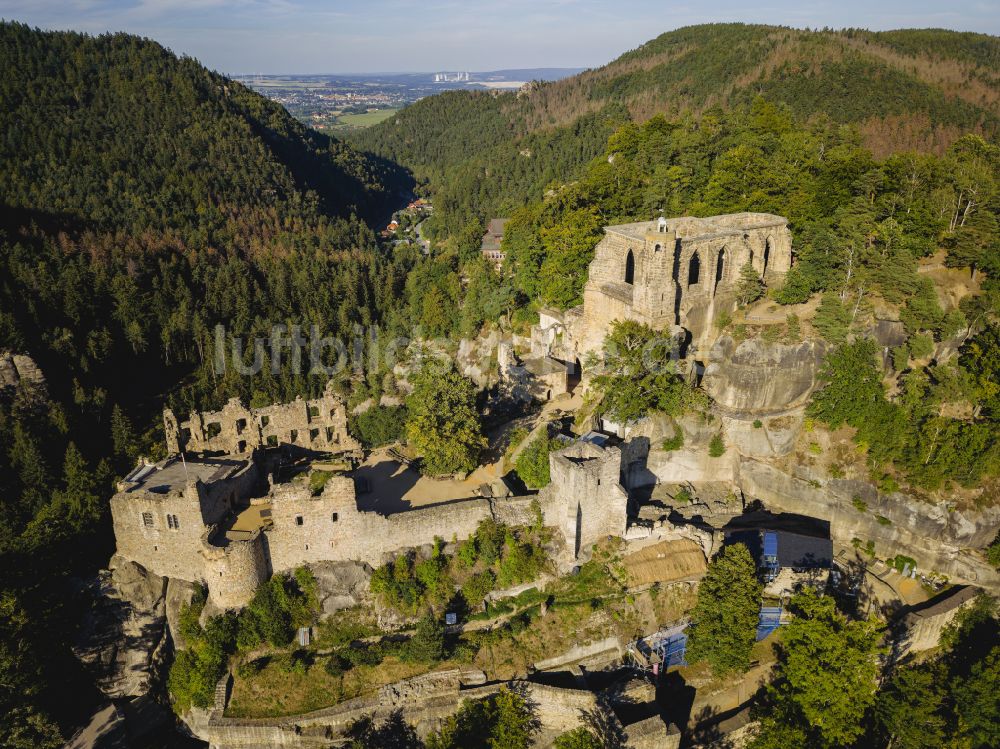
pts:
[939, 539]
[761, 390]
[124, 635]
[18, 368]
[755, 378]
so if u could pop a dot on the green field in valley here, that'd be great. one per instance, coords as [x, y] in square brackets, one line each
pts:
[352, 121]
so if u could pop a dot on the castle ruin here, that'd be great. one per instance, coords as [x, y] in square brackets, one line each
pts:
[673, 275]
[315, 425]
[230, 523]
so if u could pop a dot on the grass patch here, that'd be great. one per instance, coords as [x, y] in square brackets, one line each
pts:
[318, 480]
[277, 690]
[358, 121]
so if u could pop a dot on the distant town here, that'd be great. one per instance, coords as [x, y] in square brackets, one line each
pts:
[352, 101]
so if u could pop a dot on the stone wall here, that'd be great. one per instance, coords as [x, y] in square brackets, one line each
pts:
[319, 424]
[677, 272]
[330, 527]
[423, 701]
[234, 571]
[163, 527]
[585, 498]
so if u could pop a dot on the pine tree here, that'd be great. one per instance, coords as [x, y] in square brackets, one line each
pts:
[122, 436]
[724, 622]
[749, 287]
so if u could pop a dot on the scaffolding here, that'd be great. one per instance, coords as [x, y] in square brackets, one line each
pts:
[661, 650]
[769, 560]
[768, 620]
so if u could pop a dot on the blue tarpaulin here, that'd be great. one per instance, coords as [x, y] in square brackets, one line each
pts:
[770, 620]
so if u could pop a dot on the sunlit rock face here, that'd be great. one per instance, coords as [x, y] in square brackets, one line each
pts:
[760, 391]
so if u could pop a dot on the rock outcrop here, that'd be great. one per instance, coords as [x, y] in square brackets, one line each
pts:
[761, 390]
[938, 538]
[124, 634]
[341, 585]
[18, 368]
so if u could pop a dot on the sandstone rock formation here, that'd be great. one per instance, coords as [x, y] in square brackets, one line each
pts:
[341, 585]
[760, 391]
[124, 634]
[18, 368]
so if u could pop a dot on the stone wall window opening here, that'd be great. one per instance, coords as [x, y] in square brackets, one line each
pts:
[629, 267]
[313, 435]
[329, 434]
[213, 430]
[294, 435]
[272, 440]
[147, 519]
[720, 269]
[241, 424]
[173, 523]
[299, 520]
[241, 446]
[767, 255]
[333, 413]
[661, 225]
[657, 247]
[265, 420]
[313, 412]
[694, 269]
[333, 518]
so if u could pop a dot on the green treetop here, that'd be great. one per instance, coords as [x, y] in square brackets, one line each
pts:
[639, 375]
[724, 621]
[443, 423]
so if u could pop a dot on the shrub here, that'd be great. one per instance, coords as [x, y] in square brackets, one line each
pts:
[477, 587]
[716, 448]
[532, 465]
[883, 520]
[921, 346]
[676, 442]
[427, 644]
[248, 669]
[379, 425]
[366, 655]
[521, 562]
[859, 504]
[757, 424]
[334, 665]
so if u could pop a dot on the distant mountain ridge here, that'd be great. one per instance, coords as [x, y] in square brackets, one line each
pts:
[902, 90]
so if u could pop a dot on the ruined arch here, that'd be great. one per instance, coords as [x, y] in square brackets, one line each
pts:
[694, 269]
[629, 268]
[720, 269]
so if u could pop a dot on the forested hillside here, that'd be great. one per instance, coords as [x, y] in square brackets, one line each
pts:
[484, 154]
[143, 200]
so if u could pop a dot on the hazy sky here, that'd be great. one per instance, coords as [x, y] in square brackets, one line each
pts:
[315, 36]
